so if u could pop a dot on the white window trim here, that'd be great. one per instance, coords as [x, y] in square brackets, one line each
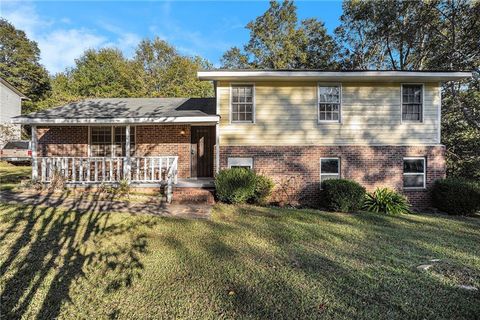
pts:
[424, 159]
[253, 103]
[112, 141]
[241, 162]
[329, 84]
[339, 174]
[401, 103]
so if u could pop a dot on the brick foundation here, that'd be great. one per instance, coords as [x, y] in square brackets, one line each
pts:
[296, 170]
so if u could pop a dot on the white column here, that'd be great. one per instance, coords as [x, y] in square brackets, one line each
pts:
[34, 145]
[127, 152]
[217, 128]
[217, 148]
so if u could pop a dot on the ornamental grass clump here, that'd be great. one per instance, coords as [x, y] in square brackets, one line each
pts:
[384, 200]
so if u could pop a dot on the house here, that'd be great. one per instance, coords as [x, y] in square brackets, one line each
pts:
[380, 128]
[10, 106]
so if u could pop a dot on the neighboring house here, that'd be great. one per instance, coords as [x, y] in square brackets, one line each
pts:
[380, 128]
[10, 106]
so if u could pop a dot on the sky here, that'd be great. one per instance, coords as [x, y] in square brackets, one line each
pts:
[65, 29]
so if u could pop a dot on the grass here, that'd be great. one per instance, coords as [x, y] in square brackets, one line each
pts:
[246, 262]
[11, 175]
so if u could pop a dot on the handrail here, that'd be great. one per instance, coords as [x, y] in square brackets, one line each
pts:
[149, 169]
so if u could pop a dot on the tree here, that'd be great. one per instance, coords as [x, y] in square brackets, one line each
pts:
[20, 64]
[170, 74]
[391, 34]
[106, 73]
[235, 59]
[279, 41]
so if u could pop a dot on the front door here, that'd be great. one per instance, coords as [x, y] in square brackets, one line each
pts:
[203, 142]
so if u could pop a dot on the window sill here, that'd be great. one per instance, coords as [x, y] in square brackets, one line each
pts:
[414, 188]
[412, 122]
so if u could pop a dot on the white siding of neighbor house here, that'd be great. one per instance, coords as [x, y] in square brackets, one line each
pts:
[286, 114]
[10, 104]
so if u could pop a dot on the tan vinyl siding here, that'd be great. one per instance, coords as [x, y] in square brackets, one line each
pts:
[286, 114]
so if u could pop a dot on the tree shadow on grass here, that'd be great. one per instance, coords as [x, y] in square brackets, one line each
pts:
[54, 241]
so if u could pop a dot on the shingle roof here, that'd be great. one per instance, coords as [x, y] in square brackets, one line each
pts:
[129, 108]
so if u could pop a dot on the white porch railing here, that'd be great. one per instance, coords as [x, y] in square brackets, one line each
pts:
[107, 169]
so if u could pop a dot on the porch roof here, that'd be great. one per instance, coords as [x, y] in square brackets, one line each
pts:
[126, 110]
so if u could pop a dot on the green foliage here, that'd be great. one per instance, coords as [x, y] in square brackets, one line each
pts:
[169, 74]
[279, 41]
[123, 188]
[106, 73]
[456, 196]
[20, 63]
[384, 200]
[460, 134]
[235, 185]
[342, 195]
[263, 189]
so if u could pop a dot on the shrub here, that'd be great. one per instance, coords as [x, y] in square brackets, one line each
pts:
[456, 196]
[235, 185]
[123, 188]
[384, 200]
[263, 189]
[342, 195]
[57, 181]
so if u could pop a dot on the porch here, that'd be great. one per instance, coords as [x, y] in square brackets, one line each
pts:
[152, 142]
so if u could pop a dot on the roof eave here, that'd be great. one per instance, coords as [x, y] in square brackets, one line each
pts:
[333, 75]
[88, 121]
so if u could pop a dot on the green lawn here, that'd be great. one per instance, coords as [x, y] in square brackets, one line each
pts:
[247, 262]
[11, 175]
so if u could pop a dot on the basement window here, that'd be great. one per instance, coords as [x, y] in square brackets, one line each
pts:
[246, 163]
[414, 173]
[329, 169]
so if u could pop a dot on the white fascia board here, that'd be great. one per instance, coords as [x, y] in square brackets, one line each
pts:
[333, 75]
[202, 119]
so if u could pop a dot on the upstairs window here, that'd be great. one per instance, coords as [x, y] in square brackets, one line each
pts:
[242, 103]
[329, 103]
[329, 169]
[412, 102]
[414, 173]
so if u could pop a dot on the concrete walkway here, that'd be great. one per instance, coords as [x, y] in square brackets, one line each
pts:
[107, 202]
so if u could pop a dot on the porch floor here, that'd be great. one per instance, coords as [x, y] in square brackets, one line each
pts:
[204, 183]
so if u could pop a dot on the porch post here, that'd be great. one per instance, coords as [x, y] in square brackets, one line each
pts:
[217, 148]
[34, 143]
[127, 152]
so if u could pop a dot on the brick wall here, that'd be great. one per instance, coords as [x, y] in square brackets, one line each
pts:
[158, 140]
[296, 170]
[62, 141]
[166, 140]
